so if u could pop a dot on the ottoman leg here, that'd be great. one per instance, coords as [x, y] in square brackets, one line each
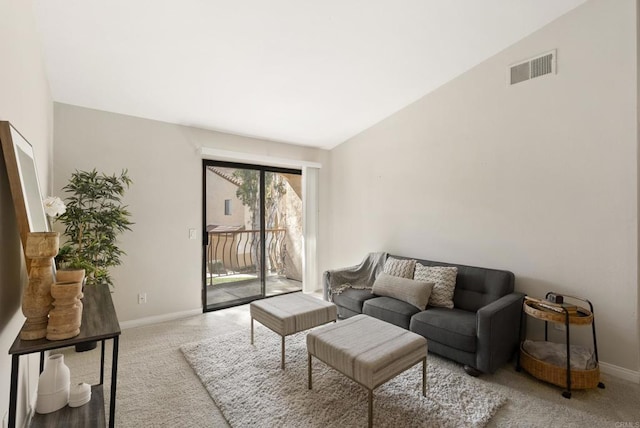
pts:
[309, 382]
[252, 330]
[282, 354]
[370, 408]
[424, 377]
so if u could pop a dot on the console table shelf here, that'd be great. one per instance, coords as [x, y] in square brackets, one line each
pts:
[87, 415]
[99, 323]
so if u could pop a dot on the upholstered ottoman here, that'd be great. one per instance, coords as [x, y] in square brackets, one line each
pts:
[368, 351]
[291, 313]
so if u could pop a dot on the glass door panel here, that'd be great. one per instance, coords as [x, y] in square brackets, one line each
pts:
[233, 249]
[283, 232]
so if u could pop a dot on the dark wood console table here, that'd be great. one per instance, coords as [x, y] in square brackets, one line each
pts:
[99, 323]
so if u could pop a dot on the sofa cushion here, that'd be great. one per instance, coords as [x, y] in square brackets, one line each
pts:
[390, 310]
[410, 291]
[476, 287]
[402, 268]
[444, 278]
[452, 327]
[352, 299]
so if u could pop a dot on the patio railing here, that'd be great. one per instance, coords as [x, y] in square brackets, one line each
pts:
[233, 252]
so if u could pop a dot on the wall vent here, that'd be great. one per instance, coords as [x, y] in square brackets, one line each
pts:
[533, 67]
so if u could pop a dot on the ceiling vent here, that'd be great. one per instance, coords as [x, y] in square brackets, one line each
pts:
[534, 67]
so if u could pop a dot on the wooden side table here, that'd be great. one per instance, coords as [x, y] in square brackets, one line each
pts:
[99, 323]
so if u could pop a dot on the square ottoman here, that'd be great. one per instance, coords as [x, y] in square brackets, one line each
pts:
[368, 351]
[291, 313]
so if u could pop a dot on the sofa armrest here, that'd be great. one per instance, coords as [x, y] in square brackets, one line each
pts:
[498, 331]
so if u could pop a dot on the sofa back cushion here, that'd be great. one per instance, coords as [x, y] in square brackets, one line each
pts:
[475, 286]
[402, 268]
[444, 283]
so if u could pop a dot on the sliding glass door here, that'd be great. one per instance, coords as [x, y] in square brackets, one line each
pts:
[252, 233]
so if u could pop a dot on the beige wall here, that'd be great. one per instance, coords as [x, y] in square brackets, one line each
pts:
[218, 190]
[638, 155]
[166, 197]
[25, 101]
[539, 178]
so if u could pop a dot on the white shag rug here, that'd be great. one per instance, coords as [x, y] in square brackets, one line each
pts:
[246, 383]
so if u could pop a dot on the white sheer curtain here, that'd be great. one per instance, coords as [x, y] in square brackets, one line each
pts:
[310, 179]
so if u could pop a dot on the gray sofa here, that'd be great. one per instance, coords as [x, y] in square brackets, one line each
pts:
[481, 331]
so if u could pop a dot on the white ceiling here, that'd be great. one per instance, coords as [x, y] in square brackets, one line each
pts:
[310, 72]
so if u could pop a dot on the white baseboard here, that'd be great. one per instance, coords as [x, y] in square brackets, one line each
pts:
[159, 318]
[620, 372]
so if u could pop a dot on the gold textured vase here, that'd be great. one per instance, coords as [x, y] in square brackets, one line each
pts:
[71, 275]
[66, 315]
[41, 248]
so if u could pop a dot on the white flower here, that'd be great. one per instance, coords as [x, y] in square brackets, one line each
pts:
[54, 206]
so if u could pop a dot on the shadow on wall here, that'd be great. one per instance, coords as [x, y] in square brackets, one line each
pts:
[537, 288]
[534, 287]
[12, 268]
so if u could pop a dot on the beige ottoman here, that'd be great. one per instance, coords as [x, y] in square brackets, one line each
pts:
[368, 351]
[291, 314]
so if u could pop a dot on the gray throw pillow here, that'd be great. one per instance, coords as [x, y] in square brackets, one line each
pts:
[444, 278]
[415, 293]
[398, 267]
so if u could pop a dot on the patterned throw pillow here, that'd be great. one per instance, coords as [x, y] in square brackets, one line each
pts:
[444, 278]
[401, 268]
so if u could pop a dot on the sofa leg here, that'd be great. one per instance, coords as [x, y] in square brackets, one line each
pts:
[472, 371]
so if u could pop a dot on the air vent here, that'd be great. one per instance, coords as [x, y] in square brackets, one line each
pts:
[534, 67]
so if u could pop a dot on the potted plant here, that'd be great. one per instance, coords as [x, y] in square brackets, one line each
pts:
[54, 208]
[93, 219]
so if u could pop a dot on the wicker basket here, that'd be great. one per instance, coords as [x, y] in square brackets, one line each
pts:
[532, 307]
[580, 379]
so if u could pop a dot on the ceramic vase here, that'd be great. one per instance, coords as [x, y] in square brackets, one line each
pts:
[41, 248]
[79, 395]
[53, 385]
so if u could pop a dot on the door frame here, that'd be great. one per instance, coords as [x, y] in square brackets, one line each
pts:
[205, 236]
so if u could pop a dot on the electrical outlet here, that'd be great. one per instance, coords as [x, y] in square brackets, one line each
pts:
[192, 234]
[142, 298]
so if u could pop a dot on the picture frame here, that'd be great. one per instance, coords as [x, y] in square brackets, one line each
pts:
[19, 159]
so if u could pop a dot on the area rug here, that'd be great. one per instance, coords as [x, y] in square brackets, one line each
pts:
[246, 383]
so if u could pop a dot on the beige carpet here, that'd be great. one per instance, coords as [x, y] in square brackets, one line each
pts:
[248, 386]
[158, 388]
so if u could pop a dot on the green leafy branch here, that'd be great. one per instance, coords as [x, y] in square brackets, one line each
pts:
[94, 218]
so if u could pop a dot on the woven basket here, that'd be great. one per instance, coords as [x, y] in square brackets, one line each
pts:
[580, 379]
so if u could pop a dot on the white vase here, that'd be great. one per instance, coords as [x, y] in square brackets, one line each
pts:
[53, 385]
[79, 395]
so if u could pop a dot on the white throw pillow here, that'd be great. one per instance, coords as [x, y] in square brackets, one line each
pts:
[413, 292]
[444, 278]
[398, 267]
